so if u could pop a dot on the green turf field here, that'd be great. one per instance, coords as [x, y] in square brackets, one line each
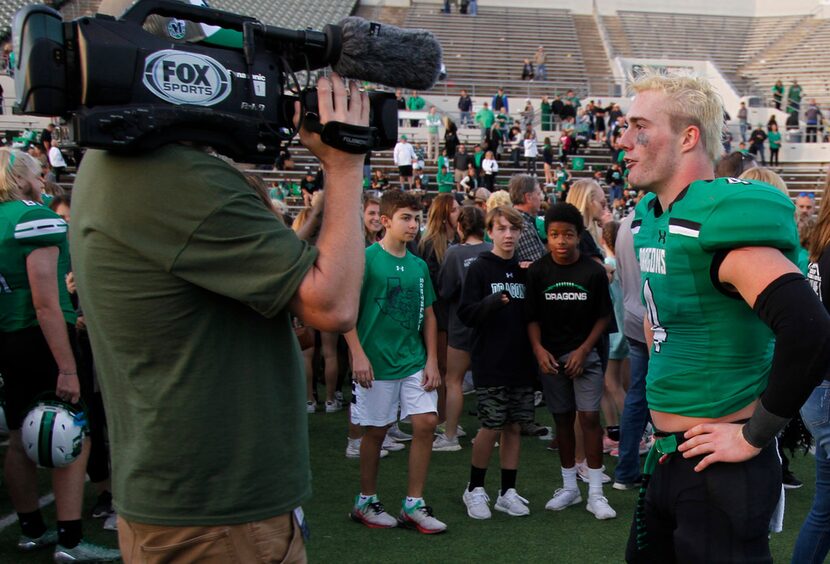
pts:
[572, 535]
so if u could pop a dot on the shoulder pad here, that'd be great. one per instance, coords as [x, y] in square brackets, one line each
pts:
[747, 213]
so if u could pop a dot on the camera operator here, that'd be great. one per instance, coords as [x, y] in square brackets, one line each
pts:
[188, 283]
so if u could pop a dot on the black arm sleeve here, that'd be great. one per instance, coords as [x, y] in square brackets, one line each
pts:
[802, 353]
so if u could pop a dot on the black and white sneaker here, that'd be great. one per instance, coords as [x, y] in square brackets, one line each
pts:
[103, 507]
[790, 482]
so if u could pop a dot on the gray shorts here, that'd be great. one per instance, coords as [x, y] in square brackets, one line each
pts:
[584, 393]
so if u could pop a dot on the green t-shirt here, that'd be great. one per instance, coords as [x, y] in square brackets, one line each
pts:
[540, 228]
[415, 103]
[185, 277]
[396, 292]
[485, 118]
[24, 227]
[433, 123]
[794, 93]
[711, 354]
[774, 138]
[446, 182]
[561, 178]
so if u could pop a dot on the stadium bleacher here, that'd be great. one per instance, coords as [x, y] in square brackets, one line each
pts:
[511, 34]
[292, 14]
[9, 7]
[729, 42]
[752, 52]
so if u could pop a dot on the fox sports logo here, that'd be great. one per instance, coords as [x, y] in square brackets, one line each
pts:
[186, 78]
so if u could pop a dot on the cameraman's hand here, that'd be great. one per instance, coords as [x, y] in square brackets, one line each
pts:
[335, 105]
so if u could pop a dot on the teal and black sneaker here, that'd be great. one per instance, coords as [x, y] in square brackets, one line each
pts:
[420, 517]
[372, 514]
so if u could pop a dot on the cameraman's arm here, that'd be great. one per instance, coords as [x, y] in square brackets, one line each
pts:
[328, 296]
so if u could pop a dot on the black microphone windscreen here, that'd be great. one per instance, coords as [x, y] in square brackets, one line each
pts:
[389, 55]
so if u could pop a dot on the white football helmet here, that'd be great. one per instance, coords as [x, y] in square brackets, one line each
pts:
[53, 433]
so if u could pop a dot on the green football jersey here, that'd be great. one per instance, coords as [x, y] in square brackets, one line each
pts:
[24, 227]
[710, 354]
[396, 292]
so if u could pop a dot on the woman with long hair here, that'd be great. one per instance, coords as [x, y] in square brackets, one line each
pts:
[37, 334]
[813, 541]
[459, 336]
[440, 232]
[589, 199]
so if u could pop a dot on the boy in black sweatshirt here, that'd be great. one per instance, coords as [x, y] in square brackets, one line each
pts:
[492, 303]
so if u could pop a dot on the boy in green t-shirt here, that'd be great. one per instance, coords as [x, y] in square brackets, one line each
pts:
[395, 364]
[445, 180]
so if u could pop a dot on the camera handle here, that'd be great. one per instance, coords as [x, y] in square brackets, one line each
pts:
[355, 139]
[170, 8]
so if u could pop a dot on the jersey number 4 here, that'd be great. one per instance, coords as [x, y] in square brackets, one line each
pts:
[659, 332]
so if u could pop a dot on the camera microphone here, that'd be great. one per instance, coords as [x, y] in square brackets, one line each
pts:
[402, 58]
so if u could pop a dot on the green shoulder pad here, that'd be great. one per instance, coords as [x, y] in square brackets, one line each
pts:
[748, 214]
[38, 226]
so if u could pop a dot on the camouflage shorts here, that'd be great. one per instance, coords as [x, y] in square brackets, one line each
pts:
[499, 405]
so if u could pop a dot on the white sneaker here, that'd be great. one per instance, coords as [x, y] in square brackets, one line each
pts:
[338, 395]
[477, 502]
[396, 434]
[563, 498]
[512, 503]
[333, 406]
[310, 406]
[598, 505]
[421, 518]
[353, 449]
[372, 514]
[460, 432]
[111, 523]
[582, 473]
[391, 445]
[442, 443]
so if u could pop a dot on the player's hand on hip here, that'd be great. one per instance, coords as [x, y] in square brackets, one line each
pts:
[717, 442]
[336, 102]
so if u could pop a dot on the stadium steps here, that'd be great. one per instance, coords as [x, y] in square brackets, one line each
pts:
[617, 35]
[388, 14]
[728, 41]
[597, 66]
[511, 34]
[801, 55]
[291, 14]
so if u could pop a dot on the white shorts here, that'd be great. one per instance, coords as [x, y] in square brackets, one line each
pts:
[378, 406]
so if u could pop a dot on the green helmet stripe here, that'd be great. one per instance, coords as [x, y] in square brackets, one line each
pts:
[44, 439]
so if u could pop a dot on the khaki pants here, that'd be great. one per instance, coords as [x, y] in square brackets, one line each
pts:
[272, 540]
